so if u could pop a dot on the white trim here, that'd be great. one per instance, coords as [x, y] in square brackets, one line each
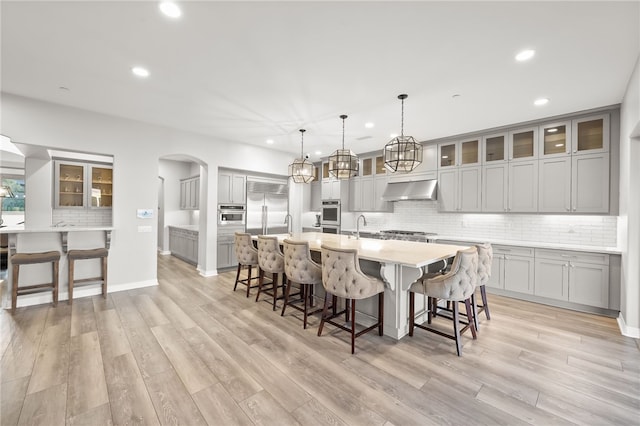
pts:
[626, 330]
[210, 273]
[41, 298]
[164, 252]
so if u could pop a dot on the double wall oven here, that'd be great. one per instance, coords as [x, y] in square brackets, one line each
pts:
[330, 217]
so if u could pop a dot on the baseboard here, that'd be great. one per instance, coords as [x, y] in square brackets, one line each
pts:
[626, 330]
[210, 273]
[80, 292]
[164, 252]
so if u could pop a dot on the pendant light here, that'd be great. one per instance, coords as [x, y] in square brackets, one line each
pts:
[402, 153]
[343, 163]
[301, 170]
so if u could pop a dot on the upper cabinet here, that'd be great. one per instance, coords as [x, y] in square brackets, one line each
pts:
[574, 166]
[232, 188]
[523, 144]
[81, 185]
[190, 193]
[463, 153]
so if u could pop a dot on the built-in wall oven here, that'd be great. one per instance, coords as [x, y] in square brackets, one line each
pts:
[231, 215]
[331, 212]
[328, 229]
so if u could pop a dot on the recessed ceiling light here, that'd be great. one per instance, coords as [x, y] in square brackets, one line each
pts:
[318, 152]
[455, 96]
[170, 9]
[553, 130]
[369, 125]
[541, 101]
[270, 141]
[64, 89]
[525, 55]
[140, 72]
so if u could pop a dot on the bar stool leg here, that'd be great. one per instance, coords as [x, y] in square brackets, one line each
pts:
[237, 277]
[104, 277]
[248, 280]
[14, 289]
[412, 312]
[56, 270]
[353, 326]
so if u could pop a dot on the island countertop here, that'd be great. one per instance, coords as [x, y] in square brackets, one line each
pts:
[68, 228]
[406, 253]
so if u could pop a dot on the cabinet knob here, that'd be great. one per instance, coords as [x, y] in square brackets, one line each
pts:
[574, 209]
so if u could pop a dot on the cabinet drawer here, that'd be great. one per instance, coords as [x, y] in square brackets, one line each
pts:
[513, 250]
[573, 256]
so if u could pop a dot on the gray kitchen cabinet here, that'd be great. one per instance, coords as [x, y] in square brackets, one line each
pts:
[183, 244]
[365, 194]
[575, 277]
[459, 189]
[523, 186]
[190, 193]
[331, 189]
[82, 185]
[232, 188]
[316, 196]
[464, 153]
[574, 184]
[512, 269]
[523, 144]
[226, 253]
[495, 187]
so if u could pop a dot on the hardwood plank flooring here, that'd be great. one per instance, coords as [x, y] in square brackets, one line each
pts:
[192, 351]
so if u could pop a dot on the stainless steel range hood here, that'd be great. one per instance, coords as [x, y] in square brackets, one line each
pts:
[415, 190]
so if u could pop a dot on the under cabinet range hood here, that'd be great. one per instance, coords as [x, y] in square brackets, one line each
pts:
[414, 190]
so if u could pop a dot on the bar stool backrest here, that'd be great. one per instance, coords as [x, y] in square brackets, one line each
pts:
[298, 266]
[342, 276]
[460, 282]
[485, 258]
[246, 253]
[270, 258]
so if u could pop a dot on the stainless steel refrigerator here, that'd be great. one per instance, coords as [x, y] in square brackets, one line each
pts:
[267, 207]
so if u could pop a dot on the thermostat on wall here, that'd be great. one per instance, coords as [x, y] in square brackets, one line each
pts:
[145, 213]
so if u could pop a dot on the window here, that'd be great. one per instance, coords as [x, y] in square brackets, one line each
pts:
[16, 184]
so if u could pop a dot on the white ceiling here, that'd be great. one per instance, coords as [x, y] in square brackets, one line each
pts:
[245, 72]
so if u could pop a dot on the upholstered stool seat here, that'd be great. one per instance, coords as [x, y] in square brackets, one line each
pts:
[303, 271]
[270, 260]
[97, 253]
[20, 259]
[247, 256]
[342, 277]
[457, 285]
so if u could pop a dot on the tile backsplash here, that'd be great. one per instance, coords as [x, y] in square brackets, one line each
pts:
[562, 229]
[82, 217]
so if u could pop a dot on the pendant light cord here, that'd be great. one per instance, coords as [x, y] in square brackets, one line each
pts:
[402, 120]
[343, 117]
[302, 144]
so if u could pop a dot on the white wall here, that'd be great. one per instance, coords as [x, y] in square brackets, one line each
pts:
[629, 220]
[136, 148]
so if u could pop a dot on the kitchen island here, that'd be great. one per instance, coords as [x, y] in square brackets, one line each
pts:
[400, 263]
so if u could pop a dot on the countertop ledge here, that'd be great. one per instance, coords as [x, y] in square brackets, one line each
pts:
[186, 227]
[23, 230]
[532, 244]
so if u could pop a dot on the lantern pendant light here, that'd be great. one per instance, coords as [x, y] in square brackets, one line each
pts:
[343, 163]
[402, 153]
[301, 170]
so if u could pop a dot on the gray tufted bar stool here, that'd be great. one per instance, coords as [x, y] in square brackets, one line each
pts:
[342, 277]
[485, 259]
[458, 285]
[300, 270]
[247, 256]
[20, 259]
[270, 260]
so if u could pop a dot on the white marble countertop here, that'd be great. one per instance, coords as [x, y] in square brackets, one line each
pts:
[67, 228]
[532, 244]
[385, 251]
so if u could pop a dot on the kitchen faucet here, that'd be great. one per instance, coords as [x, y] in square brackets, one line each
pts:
[364, 223]
[287, 219]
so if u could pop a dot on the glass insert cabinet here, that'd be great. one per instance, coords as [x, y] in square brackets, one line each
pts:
[80, 185]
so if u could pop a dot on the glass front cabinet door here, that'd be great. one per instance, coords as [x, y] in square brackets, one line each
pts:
[82, 185]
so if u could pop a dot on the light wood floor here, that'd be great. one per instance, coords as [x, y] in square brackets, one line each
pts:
[191, 351]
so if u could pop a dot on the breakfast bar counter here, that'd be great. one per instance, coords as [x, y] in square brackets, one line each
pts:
[401, 264]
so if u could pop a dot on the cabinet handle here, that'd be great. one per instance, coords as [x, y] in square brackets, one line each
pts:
[574, 209]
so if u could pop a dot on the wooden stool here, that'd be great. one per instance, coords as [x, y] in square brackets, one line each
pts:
[32, 259]
[99, 253]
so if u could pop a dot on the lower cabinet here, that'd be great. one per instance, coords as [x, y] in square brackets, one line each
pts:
[183, 244]
[575, 277]
[512, 269]
[226, 252]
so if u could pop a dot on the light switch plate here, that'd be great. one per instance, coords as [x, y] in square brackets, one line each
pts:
[145, 228]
